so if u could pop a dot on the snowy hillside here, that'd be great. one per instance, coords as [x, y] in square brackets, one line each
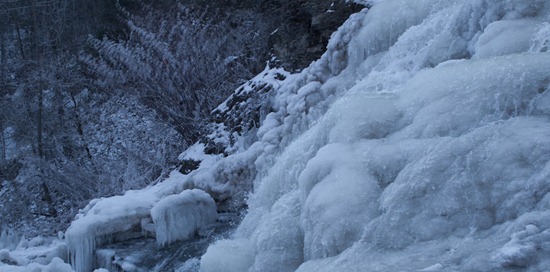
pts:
[420, 141]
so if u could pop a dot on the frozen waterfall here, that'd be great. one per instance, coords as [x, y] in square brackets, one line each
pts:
[420, 141]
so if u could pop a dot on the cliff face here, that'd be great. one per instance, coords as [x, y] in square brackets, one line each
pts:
[296, 31]
[305, 29]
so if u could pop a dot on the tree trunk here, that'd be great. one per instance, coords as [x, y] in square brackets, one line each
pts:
[36, 57]
[3, 139]
[80, 129]
[19, 39]
[3, 60]
[39, 122]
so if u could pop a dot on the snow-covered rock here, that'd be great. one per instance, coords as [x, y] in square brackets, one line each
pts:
[175, 213]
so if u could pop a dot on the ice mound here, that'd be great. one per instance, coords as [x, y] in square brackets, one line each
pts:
[179, 217]
[101, 221]
[176, 214]
[228, 256]
[419, 142]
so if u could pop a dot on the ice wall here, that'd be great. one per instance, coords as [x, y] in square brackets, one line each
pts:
[419, 142]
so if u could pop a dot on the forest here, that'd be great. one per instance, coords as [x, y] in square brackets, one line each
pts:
[100, 97]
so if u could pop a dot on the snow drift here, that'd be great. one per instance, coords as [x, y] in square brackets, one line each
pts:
[420, 141]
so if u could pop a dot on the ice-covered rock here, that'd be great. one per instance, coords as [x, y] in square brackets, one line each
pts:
[166, 209]
[181, 216]
[101, 221]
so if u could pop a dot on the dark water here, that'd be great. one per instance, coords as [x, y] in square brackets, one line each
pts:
[143, 254]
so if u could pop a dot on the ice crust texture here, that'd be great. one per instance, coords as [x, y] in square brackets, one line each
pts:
[420, 141]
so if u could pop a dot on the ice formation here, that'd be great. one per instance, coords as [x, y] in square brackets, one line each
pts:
[168, 204]
[39, 254]
[57, 265]
[420, 141]
[229, 256]
[179, 217]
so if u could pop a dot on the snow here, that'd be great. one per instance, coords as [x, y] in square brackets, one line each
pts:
[179, 217]
[57, 265]
[40, 254]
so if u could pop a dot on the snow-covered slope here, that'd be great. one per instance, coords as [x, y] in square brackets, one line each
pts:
[419, 142]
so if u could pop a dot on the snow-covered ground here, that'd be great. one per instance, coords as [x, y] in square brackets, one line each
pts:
[40, 254]
[420, 141]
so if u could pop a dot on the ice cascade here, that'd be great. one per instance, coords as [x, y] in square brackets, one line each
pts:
[420, 141]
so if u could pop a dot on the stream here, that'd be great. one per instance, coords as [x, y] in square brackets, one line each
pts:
[144, 255]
